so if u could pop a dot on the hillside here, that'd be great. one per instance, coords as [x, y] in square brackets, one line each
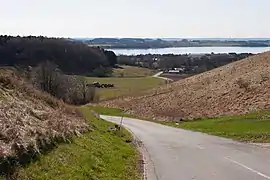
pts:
[32, 122]
[236, 88]
[43, 138]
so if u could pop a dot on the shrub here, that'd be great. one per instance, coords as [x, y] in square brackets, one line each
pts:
[102, 72]
[73, 90]
[122, 74]
[243, 84]
[81, 93]
[264, 77]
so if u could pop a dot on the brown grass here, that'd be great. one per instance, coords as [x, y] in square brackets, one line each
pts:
[236, 88]
[30, 120]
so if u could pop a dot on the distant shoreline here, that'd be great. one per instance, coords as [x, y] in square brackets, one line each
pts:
[189, 50]
[146, 48]
[138, 43]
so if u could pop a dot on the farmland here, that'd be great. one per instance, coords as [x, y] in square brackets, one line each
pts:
[125, 86]
[132, 71]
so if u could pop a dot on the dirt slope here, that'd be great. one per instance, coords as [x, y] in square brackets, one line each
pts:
[30, 120]
[236, 88]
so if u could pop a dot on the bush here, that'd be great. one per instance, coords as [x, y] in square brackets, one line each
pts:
[122, 75]
[243, 84]
[82, 93]
[264, 77]
[102, 72]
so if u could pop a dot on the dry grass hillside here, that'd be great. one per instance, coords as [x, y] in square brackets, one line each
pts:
[31, 121]
[236, 88]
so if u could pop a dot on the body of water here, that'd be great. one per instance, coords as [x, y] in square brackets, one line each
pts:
[192, 50]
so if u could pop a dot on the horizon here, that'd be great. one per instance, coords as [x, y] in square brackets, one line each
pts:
[163, 38]
[255, 38]
[137, 19]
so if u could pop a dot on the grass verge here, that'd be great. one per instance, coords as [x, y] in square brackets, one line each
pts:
[110, 111]
[97, 155]
[252, 127]
[125, 86]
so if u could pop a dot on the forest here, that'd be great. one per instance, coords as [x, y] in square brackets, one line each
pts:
[70, 57]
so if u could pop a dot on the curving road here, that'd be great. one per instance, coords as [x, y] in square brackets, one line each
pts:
[160, 77]
[177, 154]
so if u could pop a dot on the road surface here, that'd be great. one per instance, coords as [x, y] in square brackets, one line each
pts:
[177, 154]
[158, 76]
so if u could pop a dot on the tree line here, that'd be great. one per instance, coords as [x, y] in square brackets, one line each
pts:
[69, 56]
[191, 64]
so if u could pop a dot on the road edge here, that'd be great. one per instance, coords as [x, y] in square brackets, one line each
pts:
[145, 159]
[142, 159]
[157, 75]
[141, 150]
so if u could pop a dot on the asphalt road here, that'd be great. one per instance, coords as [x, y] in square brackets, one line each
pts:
[176, 154]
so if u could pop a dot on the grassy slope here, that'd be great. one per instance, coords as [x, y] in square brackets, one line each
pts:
[252, 127]
[132, 71]
[96, 155]
[236, 88]
[126, 86]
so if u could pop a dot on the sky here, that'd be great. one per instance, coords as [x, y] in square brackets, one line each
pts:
[136, 18]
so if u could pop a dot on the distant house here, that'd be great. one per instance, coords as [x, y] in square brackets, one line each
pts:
[155, 59]
[174, 71]
[180, 69]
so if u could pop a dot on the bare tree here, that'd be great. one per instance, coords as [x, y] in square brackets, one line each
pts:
[47, 77]
[87, 93]
[71, 89]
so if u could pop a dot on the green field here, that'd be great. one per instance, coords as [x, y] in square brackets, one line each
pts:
[132, 71]
[252, 127]
[97, 155]
[125, 86]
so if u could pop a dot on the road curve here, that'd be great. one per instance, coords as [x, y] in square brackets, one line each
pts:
[177, 154]
[157, 75]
